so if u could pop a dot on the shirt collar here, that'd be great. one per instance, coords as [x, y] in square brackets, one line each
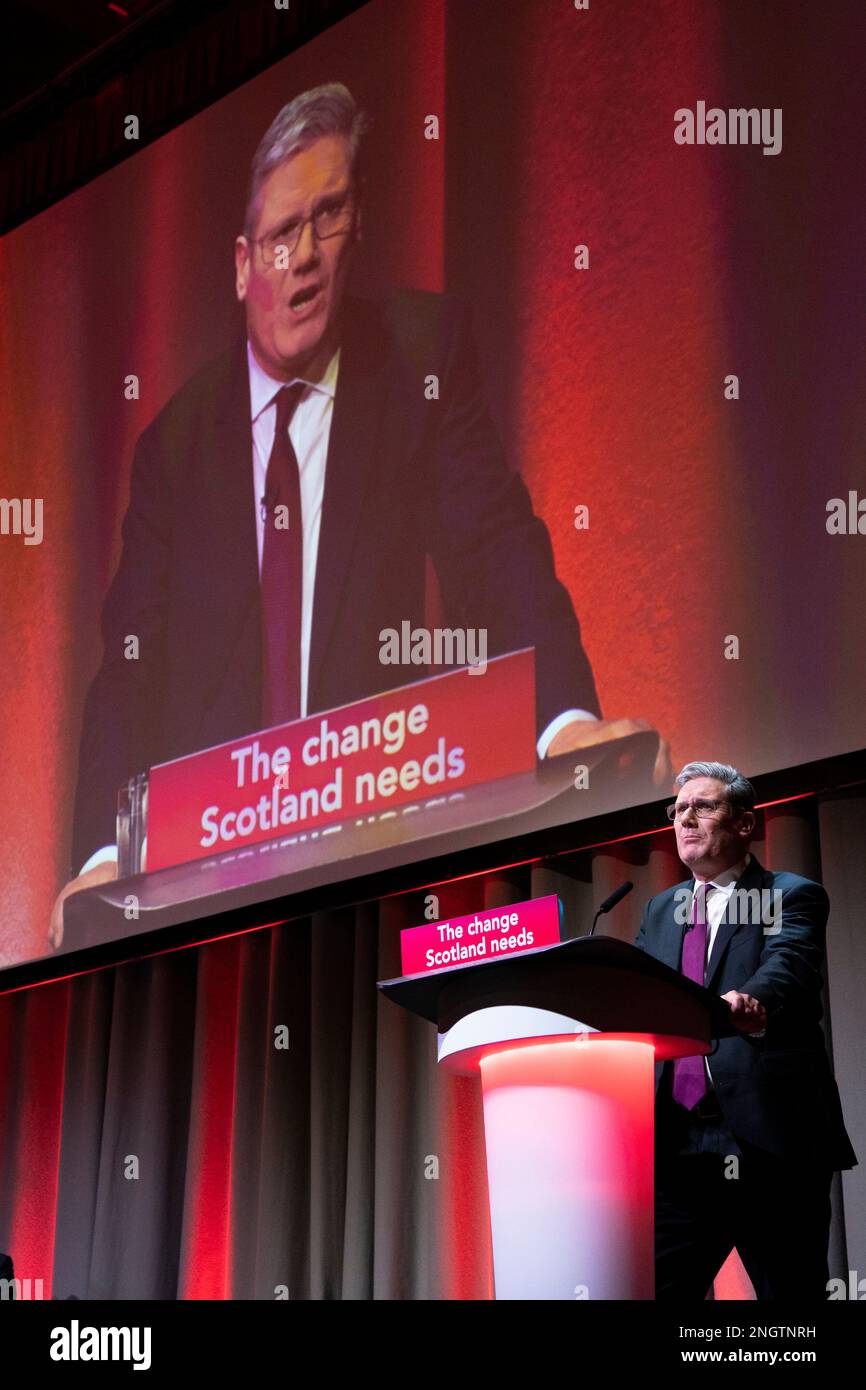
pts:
[263, 388]
[728, 877]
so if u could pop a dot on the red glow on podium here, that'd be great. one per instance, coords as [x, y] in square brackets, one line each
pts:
[569, 1133]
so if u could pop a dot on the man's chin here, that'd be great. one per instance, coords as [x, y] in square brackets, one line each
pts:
[691, 855]
[293, 347]
[296, 350]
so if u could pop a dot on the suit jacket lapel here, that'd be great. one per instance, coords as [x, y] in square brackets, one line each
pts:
[225, 532]
[672, 940]
[750, 878]
[356, 426]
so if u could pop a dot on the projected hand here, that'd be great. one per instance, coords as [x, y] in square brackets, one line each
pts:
[748, 1015]
[101, 873]
[587, 734]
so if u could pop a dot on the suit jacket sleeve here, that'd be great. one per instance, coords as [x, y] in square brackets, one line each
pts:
[123, 702]
[792, 961]
[492, 553]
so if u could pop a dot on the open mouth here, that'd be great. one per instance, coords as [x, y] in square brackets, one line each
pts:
[302, 301]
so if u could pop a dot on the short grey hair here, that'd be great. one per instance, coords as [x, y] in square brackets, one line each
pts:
[741, 793]
[327, 110]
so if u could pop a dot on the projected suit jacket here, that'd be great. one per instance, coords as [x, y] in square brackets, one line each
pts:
[776, 1091]
[406, 477]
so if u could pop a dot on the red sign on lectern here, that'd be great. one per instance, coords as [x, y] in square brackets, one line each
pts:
[413, 743]
[487, 935]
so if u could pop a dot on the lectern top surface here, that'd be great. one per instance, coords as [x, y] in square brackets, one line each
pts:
[607, 982]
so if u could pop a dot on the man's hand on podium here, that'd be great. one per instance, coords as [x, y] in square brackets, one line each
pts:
[748, 1014]
[591, 735]
[101, 873]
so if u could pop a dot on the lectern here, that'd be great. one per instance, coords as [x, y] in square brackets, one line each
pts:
[567, 1040]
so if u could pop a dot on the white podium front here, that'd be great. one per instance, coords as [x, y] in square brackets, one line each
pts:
[568, 1127]
[565, 1039]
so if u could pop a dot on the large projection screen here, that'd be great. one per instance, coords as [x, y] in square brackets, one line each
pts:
[583, 384]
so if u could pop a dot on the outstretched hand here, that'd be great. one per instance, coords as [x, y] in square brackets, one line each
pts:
[584, 734]
[102, 873]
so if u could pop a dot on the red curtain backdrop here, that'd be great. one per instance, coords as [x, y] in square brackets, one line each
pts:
[310, 1167]
[32, 1065]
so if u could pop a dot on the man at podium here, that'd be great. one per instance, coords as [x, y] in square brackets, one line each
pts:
[747, 1140]
[241, 618]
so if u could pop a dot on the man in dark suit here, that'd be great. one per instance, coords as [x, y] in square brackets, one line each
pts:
[368, 420]
[748, 1139]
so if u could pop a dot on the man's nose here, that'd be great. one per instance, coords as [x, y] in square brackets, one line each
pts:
[307, 247]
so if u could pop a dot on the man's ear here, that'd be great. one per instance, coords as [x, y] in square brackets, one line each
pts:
[243, 265]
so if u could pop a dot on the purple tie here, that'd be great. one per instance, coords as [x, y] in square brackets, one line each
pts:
[282, 572]
[690, 1074]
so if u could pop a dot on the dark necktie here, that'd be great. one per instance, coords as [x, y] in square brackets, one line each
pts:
[690, 1073]
[282, 572]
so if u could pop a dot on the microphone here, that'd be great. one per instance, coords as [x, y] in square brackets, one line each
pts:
[616, 897]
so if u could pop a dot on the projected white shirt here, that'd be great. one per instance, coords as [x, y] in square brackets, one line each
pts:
[309, 431]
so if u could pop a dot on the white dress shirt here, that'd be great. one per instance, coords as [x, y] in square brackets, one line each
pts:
[723, 886]
[309, 431]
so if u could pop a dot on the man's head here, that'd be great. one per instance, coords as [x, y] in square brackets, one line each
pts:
[715, 817]
[308, 165]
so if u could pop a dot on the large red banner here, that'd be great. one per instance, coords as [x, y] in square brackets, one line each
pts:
[417, 741]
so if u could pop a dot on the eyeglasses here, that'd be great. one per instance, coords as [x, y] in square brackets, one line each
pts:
[333, 218]
[706, 810]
